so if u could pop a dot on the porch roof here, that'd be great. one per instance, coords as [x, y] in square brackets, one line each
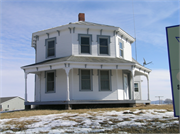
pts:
[82, 59]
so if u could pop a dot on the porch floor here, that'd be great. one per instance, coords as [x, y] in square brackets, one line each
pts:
[87, 102]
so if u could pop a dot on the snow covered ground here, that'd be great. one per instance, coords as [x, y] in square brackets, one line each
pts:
[87, 122]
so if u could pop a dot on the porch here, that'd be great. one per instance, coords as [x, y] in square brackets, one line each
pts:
[70, 104]
[68, 91]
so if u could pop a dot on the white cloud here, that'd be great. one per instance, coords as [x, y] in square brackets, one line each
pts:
[159, 85]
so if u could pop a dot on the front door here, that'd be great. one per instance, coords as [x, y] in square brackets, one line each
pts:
[126, 87]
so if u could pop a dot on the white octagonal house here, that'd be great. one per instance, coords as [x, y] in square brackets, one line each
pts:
[84, 63]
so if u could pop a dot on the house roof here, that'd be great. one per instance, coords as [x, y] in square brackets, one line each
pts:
[4, 99]
[79, 23]
[82, 59]
[91, 23]
[136, 61]
[85, 23]
[139, 64]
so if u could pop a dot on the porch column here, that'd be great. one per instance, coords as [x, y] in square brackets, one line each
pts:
[132, 82]
[148, 87]
[132, 87]
[25, 74]
[117, 84]
[67, 77]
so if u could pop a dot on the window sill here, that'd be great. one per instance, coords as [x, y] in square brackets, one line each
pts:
[50, 57]
[85, 54]
[121, 57]
[86, 90]
[105, 90]
[103, 55]
[50, 92]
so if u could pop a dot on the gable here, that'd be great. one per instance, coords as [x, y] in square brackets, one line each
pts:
[4, 99]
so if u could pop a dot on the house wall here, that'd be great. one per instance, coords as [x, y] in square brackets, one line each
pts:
[14, 104]
[63, 46]
[75, 93]
[127, 50]
[95, 94]
[94, 47]
[137, 95]
[60, 88]
[68, 44]
[120, 85]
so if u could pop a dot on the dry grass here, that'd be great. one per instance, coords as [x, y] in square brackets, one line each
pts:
[28, 113]
[114, 115]
[115, 120]
[57, 127]
[43, 132]
[138, 120]
[127, 119]
[148, 129]
[157, 120]
[69, 131]
[17, 125]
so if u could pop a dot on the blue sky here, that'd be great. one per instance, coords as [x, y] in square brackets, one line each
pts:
[19, 19]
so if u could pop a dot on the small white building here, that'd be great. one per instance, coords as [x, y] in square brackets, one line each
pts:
[85, 63]
[11, 103]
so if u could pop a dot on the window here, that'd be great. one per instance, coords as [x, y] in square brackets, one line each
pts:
[136, 89]
[105, 80]
[85, 43]
[50, 47]
[103, 44]
[120, 49]
[50, 81]
[85, 80]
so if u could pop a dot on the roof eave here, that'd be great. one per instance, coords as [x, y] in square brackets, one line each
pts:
[123, 33]
[71, 62]
[143, 68]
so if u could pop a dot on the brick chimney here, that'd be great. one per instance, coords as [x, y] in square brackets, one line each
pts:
[81, 17]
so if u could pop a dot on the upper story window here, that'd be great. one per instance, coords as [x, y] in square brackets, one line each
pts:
[103, 42]
[50, 81]
[121, 53]
[50, 47]
[85, 43]
[85, 80]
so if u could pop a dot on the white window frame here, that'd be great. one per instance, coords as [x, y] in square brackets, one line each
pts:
[46, 44]
[108, 40]
[121, 49]
[90, 43]
[47, 83]
[135, 87]
[91, 80]
[110, 82]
